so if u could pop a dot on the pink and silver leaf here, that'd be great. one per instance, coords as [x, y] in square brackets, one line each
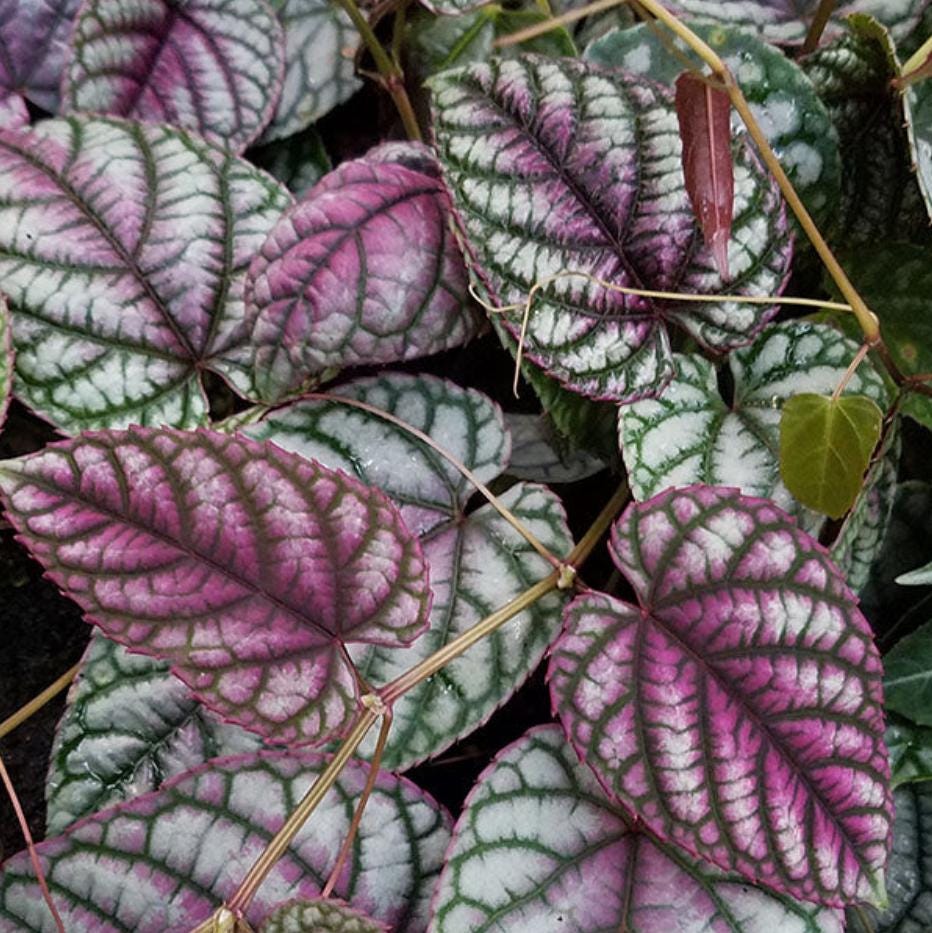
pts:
[540, 847]
[247, 567]
[460, 543]
[546, 161]
[364, 269]
[34, 48]
[125, 267]
[738, 708]
[6, 358]
[211, 66]
[164, 862]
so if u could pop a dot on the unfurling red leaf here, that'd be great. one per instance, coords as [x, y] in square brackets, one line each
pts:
[123, 251]
[737, 709]
[704, 116]
[541, 848]
[557, 166]
[164, 862]
[825, 448]
[321, 915]
[245, 566]
[212, 66]
[363, 270]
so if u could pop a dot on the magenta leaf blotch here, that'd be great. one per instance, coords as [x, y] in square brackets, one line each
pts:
[164, 862]
[212, 66]
[737, 710]
[245, 566]
[364, 269]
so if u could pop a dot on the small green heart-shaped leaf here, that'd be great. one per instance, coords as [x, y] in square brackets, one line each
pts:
[825, 448]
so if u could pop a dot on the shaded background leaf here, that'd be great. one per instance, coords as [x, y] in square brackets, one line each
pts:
[908, 676]
[319, 916]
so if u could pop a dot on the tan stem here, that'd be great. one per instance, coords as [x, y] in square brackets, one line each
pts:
[37, 702]
[817, 26]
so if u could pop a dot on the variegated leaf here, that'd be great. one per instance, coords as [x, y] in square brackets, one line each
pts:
[320, 45]
[917, 105]
[319, 916]
[162, 863]
[298, 162]
[539, 454]
[546, 161]
[212, 66]
[129, 725]
[6, 358]
[34, 47]
[247, 567]
[691, 434]
[460, 546]
[737, 709]
[123, 249]
[540, 848]
[364, 269]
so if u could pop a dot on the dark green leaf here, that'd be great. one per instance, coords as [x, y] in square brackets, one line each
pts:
[908, 678]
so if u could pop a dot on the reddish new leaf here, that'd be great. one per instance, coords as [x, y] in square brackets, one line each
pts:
[704, 115]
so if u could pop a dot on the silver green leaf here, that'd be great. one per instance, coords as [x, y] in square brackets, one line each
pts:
[128, 726]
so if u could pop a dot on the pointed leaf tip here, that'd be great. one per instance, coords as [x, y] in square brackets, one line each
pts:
[704, 116]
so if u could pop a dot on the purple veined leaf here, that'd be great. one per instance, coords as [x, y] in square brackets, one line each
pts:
[539, 847]
[247, 567]
[13, 112]
[704, 115]
[459, 545]
[364, 269]
[34, 47]
[691, 434]
[787, 21]
[125, 268]
[320, 45]
[909, 879]
[212, 66]
[6, 358]
[737, 710]
[567, 190]
[162, 863]
[129, 725]
[319, 916]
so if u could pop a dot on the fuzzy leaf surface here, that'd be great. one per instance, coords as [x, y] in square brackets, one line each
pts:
[548, 175]
[908, 676]
[319, 916]
[212, 66]
[459, 545]
[34, 47]
[540, 847]
[737, 710]
[691, 434]
[787, 21]
[129, 725]
[320, 45]
[245, 566]
[123, 250]
[910, 877]
[164, 862]
[784, 101]
[364, 269]
[825, 448]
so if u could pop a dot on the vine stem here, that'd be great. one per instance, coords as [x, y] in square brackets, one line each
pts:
[241, 900]
[389, 70]
[850, 371]
[817, 26]
[559, 579]
[31, 846]
[37, 702]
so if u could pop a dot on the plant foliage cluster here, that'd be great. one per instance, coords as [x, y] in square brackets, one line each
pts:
[699, 233]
